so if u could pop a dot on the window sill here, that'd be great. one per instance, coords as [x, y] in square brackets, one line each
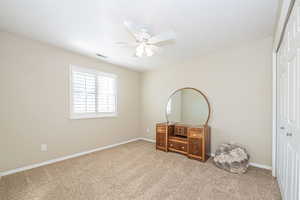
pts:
[93, 116]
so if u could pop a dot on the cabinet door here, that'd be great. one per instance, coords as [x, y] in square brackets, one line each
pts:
[161, 140]
[195, 147]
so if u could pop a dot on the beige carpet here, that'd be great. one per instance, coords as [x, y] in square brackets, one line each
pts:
[137, 171]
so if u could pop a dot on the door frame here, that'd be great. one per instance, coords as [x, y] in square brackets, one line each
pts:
[284, 14]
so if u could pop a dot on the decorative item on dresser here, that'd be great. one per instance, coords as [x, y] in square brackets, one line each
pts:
[186, 130]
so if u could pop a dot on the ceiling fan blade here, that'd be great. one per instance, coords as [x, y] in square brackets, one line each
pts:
[162, 37]
[133, 29]
[127, 44]
[154, 48]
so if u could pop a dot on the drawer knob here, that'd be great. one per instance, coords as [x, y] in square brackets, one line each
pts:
[289, 134]
[182, 147]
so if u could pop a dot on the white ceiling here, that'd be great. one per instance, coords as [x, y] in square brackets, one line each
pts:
[92, 26]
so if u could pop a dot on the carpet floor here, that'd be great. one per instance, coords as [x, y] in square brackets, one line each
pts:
[137, 171]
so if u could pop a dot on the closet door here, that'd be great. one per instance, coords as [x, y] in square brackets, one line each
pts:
[288, 116]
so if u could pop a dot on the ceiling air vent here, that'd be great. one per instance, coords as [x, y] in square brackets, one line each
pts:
[100, 55]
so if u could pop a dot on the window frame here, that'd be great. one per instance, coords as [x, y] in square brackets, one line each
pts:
[96, 114]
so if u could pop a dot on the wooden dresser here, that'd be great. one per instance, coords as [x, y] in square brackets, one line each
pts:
[193, 142]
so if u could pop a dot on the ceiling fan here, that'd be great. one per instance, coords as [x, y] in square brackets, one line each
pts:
[145, 44]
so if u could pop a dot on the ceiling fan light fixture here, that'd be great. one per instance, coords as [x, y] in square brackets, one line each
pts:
[138, 54]
[145, 43]
[140, 50]
[144, 50]
[149, 51]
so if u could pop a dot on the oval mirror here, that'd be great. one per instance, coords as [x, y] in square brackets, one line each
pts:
[188, 106]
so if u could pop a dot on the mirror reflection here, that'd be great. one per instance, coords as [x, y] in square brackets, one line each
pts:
[187, 106]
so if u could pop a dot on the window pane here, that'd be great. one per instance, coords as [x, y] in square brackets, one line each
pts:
[106, 94]
[84, 92]
[91, 103]
[78, 81]
[92, 92]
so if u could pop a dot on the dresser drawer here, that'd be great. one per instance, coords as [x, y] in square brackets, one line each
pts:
[161, 129]
[195, 132]
[180, 130]
[178, 146]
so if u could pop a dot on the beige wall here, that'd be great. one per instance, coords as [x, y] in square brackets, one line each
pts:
[238, 85]
[34, 104]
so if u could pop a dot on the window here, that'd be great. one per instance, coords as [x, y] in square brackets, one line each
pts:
[93, 93]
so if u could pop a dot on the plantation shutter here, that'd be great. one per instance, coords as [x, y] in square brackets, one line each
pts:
[94, 94]
[106, 94]
[84, 92]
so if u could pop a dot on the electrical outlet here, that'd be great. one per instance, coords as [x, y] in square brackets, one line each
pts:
[148, 130]
[44, 147]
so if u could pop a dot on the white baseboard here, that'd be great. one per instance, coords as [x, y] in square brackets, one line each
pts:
[148, 140]
[5, 173]
[261, 166]
[63, 158]
[253, 164]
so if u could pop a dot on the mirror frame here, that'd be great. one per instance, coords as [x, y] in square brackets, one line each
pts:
[206, 99]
